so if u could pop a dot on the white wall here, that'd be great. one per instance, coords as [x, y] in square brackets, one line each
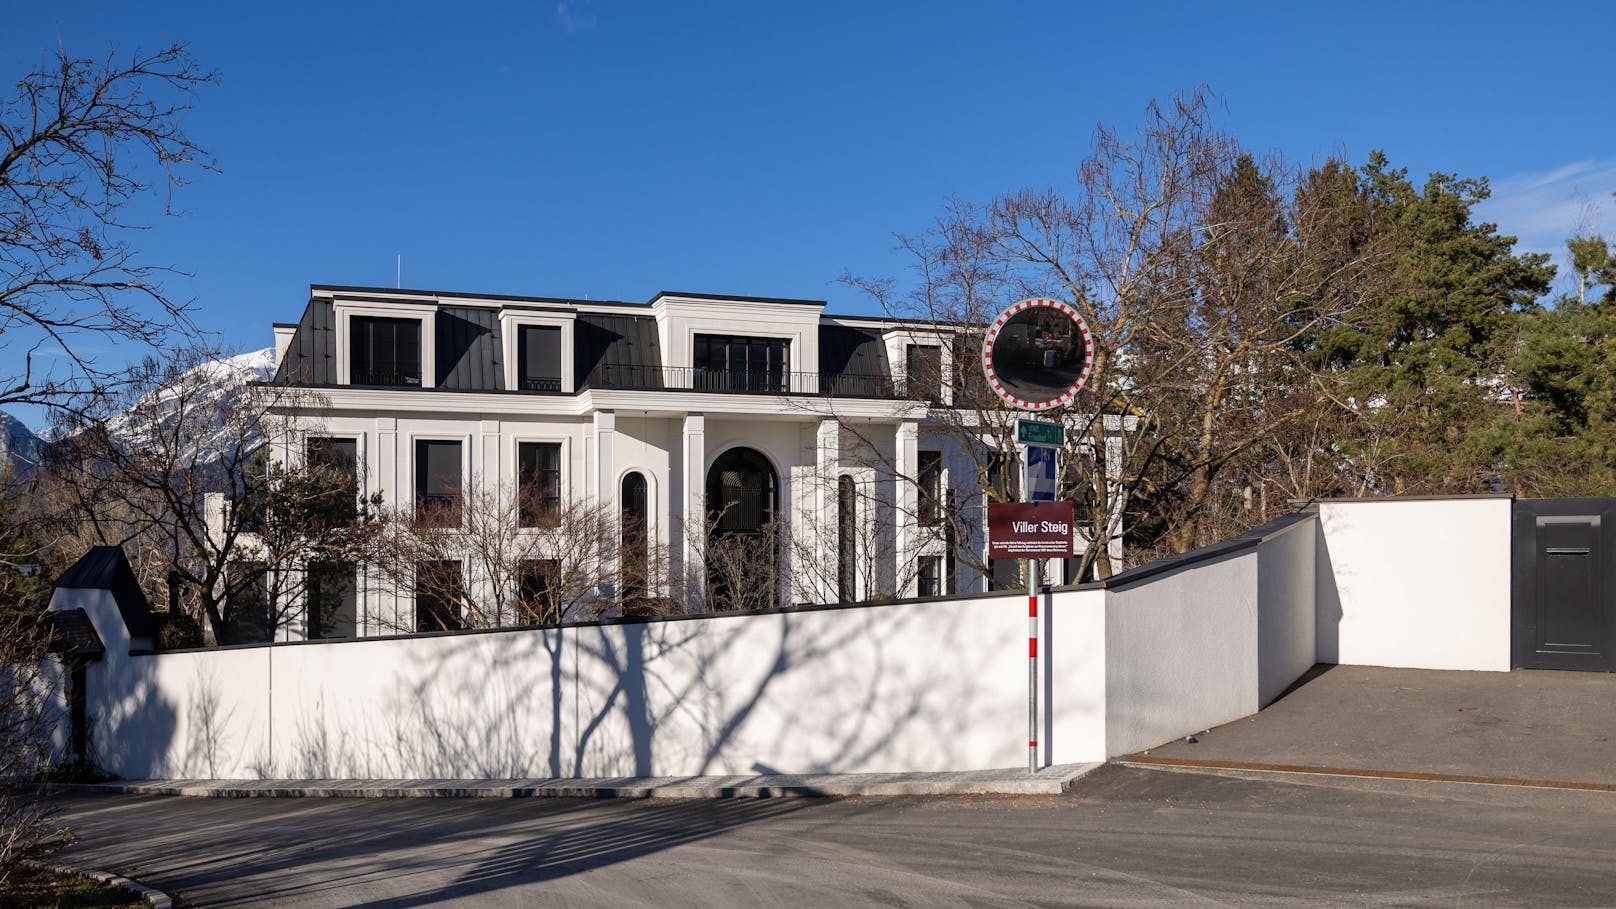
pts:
[457, 706]
[1073, 651]
[1286, 611]
[927, 686]
[1181, 652]
[1416, 583]
[921, 686]
[911, 686]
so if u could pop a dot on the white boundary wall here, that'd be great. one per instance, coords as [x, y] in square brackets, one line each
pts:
[1181, 652]
[1161, 652]
[1415, 583]
[917, 686]
[911, 686]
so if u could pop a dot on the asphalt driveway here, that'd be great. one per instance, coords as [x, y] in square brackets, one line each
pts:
[1527, 725]
[1124, 836]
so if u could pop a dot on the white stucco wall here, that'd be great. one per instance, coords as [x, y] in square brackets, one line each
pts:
[938, 685]
[1286, 610]
[1416, 583]
[912, 686]
[923, 686]
[1074, 696]
[1181, 652]
[456, 706]
[181, 715]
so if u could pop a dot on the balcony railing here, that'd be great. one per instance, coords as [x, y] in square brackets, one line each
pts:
[761, 382]
[374, 377]
[540, 383]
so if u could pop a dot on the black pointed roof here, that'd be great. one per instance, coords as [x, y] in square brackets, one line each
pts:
[106, 568]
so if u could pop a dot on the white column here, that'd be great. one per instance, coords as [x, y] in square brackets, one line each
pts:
[606, 457]
[693, 513]
[827, 467]
[390, 468]
[905, 544]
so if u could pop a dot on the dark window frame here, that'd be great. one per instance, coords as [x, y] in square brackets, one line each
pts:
[549, 380]
[538, 580]
[930, 579]
[846, 539]
[448, 510]
[433, 613]
[923, 372]
[539, 507]
[740, 363]
[323, 622]
[634, 512]
[929, 485]
[378, 356]
[317, 454]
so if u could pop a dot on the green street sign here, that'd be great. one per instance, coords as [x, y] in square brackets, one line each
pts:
[1032, 432]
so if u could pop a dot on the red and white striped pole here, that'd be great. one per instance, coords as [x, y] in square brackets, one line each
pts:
[1032, 665]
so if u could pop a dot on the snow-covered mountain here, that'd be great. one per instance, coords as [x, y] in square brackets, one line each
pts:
[204, 398]
[19, 446]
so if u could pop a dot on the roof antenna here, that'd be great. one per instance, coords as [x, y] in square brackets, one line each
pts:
[398, 276]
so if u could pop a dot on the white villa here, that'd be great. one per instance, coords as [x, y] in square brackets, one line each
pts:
[821, 423]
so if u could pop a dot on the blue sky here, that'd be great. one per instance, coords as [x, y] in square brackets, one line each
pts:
[613, 148]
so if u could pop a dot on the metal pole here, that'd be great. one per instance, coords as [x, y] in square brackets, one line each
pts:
[1032, 665]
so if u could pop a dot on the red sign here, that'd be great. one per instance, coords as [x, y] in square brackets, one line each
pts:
[1029, 530]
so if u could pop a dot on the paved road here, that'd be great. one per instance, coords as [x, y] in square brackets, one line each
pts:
[1124, 837]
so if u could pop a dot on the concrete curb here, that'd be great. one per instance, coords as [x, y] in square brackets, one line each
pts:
[1048, 781]
[157, 898]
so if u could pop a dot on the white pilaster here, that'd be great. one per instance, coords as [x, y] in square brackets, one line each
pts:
[906, 542]
[828, 465]
[693, 512]
[606, 457]
[489, 473]
[391, 465]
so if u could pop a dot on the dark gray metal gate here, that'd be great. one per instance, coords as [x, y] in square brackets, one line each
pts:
[1564, 584]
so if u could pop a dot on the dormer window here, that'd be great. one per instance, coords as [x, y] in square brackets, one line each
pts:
[538, 358]
[923, 373]
[727, 363]
[384, 351]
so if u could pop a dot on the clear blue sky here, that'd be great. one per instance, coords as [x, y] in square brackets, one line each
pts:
[614, 148]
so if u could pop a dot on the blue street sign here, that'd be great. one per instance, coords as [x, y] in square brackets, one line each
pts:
[1040, 473]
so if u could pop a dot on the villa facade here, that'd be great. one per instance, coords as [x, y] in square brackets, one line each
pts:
[686, 414]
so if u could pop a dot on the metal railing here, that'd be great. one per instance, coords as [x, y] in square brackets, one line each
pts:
[539, 383]
[374, 377]
[761, 381]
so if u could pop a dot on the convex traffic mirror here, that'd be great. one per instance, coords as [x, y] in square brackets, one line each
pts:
[1038, 354]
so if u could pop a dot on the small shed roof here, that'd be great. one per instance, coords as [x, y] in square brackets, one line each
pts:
[73, 634]
[106, 568]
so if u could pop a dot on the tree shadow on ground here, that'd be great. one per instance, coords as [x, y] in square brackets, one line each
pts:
[226, 852]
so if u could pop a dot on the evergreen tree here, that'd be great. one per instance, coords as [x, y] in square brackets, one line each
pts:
[1423, 363]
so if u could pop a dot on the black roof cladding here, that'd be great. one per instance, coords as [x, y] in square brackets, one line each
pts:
[851, 351]
[392, 293]
[106, 568]
[611, 349]
[470, 354]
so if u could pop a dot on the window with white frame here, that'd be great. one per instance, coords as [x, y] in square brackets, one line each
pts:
[384, 351]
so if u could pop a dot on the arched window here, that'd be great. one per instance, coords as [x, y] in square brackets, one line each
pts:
[846, 540]
[634, 508]
[743, 551]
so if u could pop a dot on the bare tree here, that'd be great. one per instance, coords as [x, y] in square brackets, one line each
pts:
[495, 557]
[180, 469]
[731, 571]
[79, 141]
[27, 721]
[1201, 272]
